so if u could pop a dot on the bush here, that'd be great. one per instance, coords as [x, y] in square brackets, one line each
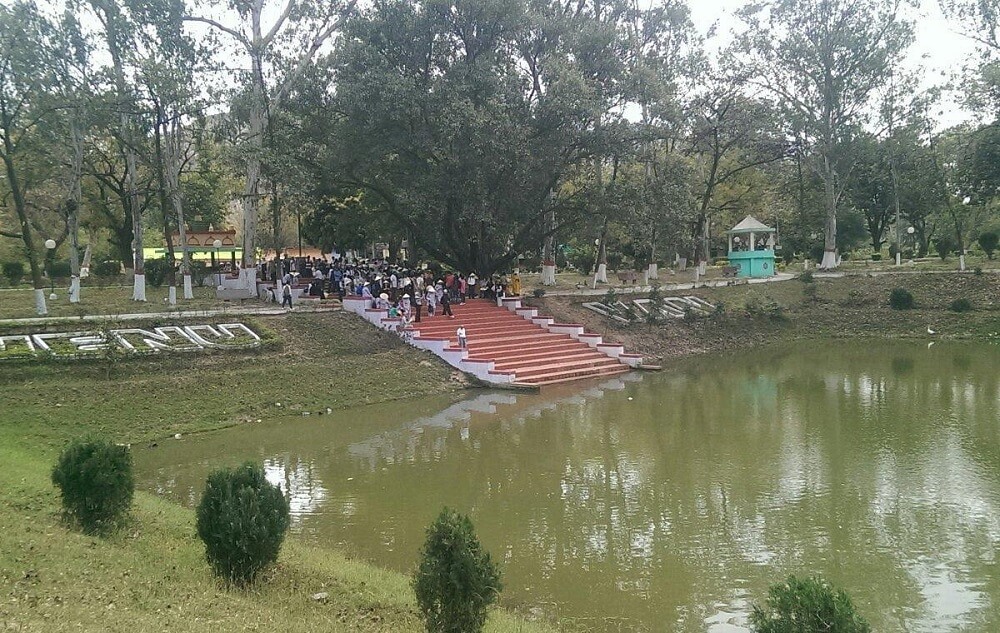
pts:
[811, 293]
[807, 606]
[900, 299]
[199, 270]
[14, 272]
[757, 306]
[960, 305]
[95, 480]
[807, 277]
[156, 271]
[107, 269]
[989, 241]
[60, 270]
[242, 519]
[977, 271]
[944, 246]
[538, 293]
[456, 581]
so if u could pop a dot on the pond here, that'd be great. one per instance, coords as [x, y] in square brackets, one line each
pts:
[669, 501]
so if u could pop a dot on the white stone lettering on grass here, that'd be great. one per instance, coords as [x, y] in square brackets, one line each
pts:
[637, 309]
[171, 338]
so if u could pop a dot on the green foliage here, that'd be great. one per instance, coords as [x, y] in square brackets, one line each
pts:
[944, 246]
[242, 519]
[811, 293]
[95, 479]
[960, 305]
[457, 580]
[988, 241]
[977, 271]
[757, 306]
[199, 270]
[156, 271]
[107, 269]
[900, 299]
[653, 314]
[538, 293]
[807, 606]
[60, 270]
[807, 277]
[13, 272]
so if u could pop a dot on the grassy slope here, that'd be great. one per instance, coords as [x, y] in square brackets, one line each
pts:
[152, 577]
[855, 306]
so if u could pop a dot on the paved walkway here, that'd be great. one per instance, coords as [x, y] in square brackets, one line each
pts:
[710, 283]
[183, 314]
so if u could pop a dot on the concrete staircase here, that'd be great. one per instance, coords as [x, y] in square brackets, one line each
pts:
[509, 344]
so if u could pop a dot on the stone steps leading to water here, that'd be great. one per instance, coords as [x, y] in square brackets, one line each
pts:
[509, 344]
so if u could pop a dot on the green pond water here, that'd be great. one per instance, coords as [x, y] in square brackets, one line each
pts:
[669, 501]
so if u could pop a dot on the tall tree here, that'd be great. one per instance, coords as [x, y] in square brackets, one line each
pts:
[824, 59]
[278, 56]
[28, 55]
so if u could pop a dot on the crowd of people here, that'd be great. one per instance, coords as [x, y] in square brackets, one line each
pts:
[405, 291]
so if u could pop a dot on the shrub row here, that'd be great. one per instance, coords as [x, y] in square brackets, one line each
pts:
[242, 520]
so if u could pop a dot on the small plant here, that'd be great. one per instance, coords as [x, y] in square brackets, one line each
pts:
[811, 293]
[960, 305]
[900, 299]
[538, 293]
[610, 297]
[756, 306]
[807, 277]
[988, 241]
[944, 246]
[807, 606]
[977, 271]
[199, 271]
[60, 270]
[855, 299]
[653, 314]
[457, 580]
[156, 271]
[14, 272]
[242, 519]
[95, 479]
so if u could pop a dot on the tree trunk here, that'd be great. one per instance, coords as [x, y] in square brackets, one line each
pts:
[173, 165]
[73, 213]
[601, 263]
[165, 206]
[549, 251]
[830, 259]
[251, 192]
[21, 209]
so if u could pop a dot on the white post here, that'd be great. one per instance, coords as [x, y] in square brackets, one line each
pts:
[172, 295]
[188, 291]
[74, 289]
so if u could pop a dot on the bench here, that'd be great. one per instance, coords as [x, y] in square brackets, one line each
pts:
[730, 271]
[628, 276]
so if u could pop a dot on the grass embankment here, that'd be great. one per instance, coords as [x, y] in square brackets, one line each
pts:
[19, 303]
[152, 576]
[848, 307]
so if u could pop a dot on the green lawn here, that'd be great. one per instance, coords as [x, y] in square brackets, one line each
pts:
[152, 576]
[19, 303]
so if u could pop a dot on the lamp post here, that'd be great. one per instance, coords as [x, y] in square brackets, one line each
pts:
[50, 246]
[910, 231]
[218, 265]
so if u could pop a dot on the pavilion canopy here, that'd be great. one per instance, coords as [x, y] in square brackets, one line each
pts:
[751, 224]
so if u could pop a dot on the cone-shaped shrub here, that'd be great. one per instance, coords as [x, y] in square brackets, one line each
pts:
[242, 519]
[807, 606]
[95, 479]
[456, 581]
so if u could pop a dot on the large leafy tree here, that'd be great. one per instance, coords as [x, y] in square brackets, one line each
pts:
[466, 121]
[280, 51]
[824, 60]
[28, 110]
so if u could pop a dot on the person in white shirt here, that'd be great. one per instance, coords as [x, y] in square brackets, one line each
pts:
[462, 341]
[472, 285]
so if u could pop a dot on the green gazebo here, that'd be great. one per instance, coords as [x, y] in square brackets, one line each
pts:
[751, 248]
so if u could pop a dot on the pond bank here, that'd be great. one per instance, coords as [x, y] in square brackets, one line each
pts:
[828, 308]
[152, 575]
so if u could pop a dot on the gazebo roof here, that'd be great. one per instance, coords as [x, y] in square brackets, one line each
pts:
[751, 224]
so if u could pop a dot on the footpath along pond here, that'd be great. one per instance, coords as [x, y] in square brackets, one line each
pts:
[669, 502]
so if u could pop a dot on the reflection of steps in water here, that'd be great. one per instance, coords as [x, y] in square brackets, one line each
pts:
[400, 444]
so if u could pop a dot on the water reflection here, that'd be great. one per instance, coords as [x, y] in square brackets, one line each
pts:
[670, 503]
